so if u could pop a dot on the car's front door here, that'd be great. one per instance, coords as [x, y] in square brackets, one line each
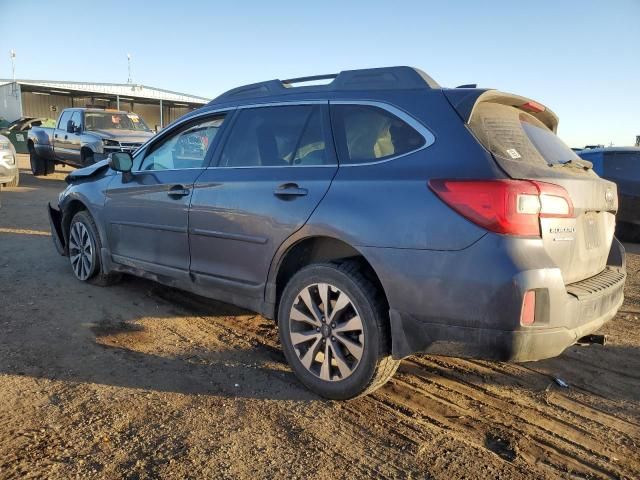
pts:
[147, 211]
[275, 166]
[61, 137]
[74, 139]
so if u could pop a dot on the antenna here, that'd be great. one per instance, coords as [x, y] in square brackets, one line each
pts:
[129, 80]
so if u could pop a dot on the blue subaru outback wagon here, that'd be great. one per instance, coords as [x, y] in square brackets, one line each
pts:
[374, 216]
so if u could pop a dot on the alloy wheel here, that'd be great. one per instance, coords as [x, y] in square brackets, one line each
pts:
[326, 332]
[81, 251]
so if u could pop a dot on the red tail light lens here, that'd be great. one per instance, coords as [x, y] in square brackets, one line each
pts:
[528, 313]
[510, 207]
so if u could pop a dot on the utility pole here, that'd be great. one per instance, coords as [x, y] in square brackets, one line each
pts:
[12, 56]
[129, 80]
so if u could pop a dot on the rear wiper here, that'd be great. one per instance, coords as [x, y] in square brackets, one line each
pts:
[585, 164]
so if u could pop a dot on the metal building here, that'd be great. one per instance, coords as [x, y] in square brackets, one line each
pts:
[47, 98]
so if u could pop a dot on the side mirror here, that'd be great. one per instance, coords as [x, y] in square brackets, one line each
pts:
[70, 128]
[121, 161]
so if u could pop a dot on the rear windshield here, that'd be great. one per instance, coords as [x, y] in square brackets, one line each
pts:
[511, 134]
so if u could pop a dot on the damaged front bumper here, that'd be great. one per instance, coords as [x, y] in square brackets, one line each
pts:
[55, 222]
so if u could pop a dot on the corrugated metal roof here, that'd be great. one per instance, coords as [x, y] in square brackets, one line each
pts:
[122, 89]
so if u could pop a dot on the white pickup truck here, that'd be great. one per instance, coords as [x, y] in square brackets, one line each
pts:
[84, 136]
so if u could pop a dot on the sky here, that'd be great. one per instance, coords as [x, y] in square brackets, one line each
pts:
[579, 58]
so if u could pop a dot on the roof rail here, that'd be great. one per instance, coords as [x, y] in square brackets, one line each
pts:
[387, 78]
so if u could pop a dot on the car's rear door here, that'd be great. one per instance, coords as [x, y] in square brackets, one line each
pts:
[270, 173]
[147, 211]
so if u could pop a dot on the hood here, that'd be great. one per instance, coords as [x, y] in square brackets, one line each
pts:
[90, 171]
[129, 136]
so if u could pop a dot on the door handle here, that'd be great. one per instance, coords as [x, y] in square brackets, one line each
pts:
[290, 190]
[178, 191]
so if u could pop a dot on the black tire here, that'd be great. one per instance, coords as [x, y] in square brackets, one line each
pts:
[375, 366]
[94, 273]
[87, 158]
[49, 167]
[38, 167]
[15, 182]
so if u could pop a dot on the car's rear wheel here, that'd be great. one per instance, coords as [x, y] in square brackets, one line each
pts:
[49, 167]
[38, 165]
[84, 251]
[334, 331]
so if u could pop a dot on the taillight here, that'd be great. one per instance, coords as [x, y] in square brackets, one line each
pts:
[510, 207]
[528, 313]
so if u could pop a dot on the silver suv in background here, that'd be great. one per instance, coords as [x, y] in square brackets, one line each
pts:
[84, 136]
[9, 173]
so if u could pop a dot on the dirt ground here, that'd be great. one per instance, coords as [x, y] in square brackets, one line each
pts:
[142, 381]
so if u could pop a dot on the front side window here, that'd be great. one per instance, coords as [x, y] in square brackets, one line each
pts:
[369, 134]
[187, 148]
[276, 137]
[64, 118]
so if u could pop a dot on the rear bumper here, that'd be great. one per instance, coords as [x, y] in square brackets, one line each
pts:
[55, 223]
[467, 303]
[412, 335]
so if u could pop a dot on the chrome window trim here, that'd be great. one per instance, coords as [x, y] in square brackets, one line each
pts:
[429, 137]
[179, 122]
[284, 104]
[334, 165]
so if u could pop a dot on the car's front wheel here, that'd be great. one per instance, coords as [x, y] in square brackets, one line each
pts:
[84, 251]
[334, 331]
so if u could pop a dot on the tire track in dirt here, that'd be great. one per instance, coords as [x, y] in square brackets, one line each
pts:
[446, 395]
[541, 431]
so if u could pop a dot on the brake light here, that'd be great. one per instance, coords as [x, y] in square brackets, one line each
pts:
[528, 313]
[533, 107]
[510, 207]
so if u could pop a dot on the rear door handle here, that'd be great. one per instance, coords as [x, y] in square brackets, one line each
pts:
[178, 191]
[290, 190]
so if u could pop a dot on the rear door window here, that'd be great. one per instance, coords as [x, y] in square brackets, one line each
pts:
[366, 134]
[279, 136]
[513, 135]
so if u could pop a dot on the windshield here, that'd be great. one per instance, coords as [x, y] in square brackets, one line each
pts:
[115, 121]
[514, 135]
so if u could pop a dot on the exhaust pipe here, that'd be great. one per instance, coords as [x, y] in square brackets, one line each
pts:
[592, 340]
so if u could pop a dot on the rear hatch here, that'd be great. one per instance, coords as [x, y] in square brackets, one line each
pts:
[521, 136]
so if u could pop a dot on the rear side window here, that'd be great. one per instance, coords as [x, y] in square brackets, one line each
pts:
[513, 135]
[276, 137]
[368, 134]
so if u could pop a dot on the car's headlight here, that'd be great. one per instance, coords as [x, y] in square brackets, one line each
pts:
[110, 143]
[5, 145]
